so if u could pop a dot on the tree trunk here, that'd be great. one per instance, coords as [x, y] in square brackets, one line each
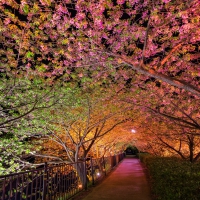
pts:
[191, 148]
[80, 167]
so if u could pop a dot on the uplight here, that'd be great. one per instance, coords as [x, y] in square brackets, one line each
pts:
[80, 186]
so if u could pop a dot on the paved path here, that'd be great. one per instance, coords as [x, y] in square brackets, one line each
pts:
[126, 182]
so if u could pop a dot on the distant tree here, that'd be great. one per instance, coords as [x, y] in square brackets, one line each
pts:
[115, 141]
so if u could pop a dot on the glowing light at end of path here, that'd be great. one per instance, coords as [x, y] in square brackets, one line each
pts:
[133, 131]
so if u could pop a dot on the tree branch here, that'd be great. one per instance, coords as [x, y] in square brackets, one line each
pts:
[152, 73]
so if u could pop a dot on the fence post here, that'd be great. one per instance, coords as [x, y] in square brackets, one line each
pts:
[104, 166]
[92, 170]
[115, 160]
[85, 174]
[112, 162]
[44, 182]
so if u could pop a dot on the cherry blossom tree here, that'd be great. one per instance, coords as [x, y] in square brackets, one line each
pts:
[148, 51]
[24, 114]
[172, 127]
[156, 39]
[91, 115]
[114, 142]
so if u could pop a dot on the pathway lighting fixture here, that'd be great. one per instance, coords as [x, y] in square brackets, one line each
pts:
[133, 130]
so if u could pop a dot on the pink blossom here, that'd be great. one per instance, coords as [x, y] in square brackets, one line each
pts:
[80, 75]
[184, 16]
[44, 2]
[62, 9]
[23, 3]
[99, 23]
[80, 16]
[166, 1]
[56, 16]
[7, 21]
[28, 65]
[120, 2]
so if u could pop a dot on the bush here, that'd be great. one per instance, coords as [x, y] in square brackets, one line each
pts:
[143, 156]
[173, 179]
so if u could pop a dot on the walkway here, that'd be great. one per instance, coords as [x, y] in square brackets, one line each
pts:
[126, 182]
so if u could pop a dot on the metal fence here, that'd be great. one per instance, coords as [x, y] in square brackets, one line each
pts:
[57, 181]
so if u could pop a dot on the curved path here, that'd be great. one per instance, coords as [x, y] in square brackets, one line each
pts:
[126, 182]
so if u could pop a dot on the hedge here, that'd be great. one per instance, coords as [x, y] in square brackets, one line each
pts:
[172, 178]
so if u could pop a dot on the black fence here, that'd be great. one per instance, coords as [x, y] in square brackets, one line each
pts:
[57, 181]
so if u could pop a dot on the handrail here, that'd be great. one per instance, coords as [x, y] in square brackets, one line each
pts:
[62, 180]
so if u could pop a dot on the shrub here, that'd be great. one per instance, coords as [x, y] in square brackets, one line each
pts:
[173, 179]
[143, 156]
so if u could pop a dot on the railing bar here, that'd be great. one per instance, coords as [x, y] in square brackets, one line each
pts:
[36, 186]
[31, 184]
[59, 180]
[15, 190]
[11, 188]
[22, 186]
[49, 191]
[40, 185]
[65, 169]
[4, 187]
[27, 184]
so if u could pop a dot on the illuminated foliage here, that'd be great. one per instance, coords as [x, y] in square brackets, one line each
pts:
[159, 39]
[24, 111]
[145, 51]
[172, 127]
[90, 116]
